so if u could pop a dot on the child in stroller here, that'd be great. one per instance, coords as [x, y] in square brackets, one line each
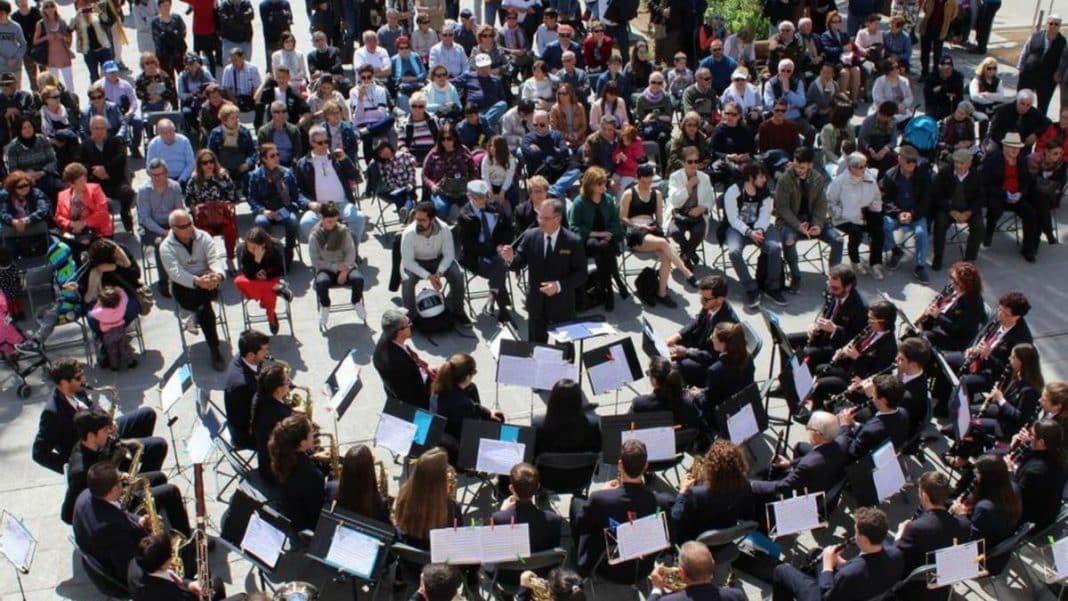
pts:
[10, 336]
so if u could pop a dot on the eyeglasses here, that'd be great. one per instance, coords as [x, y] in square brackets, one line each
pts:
[717, 50]
[402, 47]
[730, 114]
[485, 35]
[990, 68]
[207, 162]
[836, 20]
[691, 162]
[448, 139]
[52, 97]
[366, 78]
[437, 75]
[707, 299]
[654, 82]
[95, 96]
[540, 125]
[183, 226]
[786, 70]
[418, 106]
[780, 110]
[705, 78]
[22, 186]
[446, 34]
[278, 112]
[319, 142]
[273, 155]
[158, 174]
[565, 35]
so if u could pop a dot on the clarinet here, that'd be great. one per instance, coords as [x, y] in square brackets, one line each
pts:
[972, 364]
[842, 398]
[825, 311]
[853, 343]
[925, 321]
[1001, 384]
[780, 444]
[1024, 447]
[815, 563]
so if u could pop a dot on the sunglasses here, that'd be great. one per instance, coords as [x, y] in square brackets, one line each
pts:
[691, 162]
[448, 139]
[730, 114]
[95, 96]
[418, 106]
[705, 78]
[207, 162]
[780, 110]
[53, 97]
[183, 226]
[437, 75]
[655, 83]
[446, 34]
[990, 68]
[22, 186]
[717, 50]
[786, 70]
[486, 35]
[366, 78]
[402, 47]
[273, 155]
[319, 142]
[540, 125]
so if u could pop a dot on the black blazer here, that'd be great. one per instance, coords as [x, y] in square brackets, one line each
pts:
[701, 592]
[545, 525]
[989, 522]
[237, 399]
[267, 413]
[684, 412]
[272, 265]
[876, 357]
[860, 441]
[701, 508]
[55, 432]
[456, 406]
[592, 517]
[1041, 483]
[303, 494]
[81, 459]
[945, 182]
[1020, 406]
[932, 529]
[697, 336]
[863, 576]
[815, 471]
[567, 265]
[106, 533]
[400, 374]
[723, 381]
[992, 175]
[915, 403]
[470, 250]
[112, 157]
[955, 329]
[995, 362]
[579, 436]
[153, 588]
[851, 318]
[921, 191]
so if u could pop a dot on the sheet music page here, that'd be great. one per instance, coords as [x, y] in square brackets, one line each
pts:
[347, 372]
[17, 543]
[517, 371]
[456, 545]
[505, 542]
[641, 537]
[263, 540]
[600, 329]
[548, 354]
[495, 344]
[353, 551]
[548, 373]
[803, 381]
[964, 413]
[175, 387]
[659, 442]
[957, 563]
[743, 425]
[343, 391]
[498, 457]
[1059, 551]
[887, 474]
[796, 514]
[610, 374]
[395, 434]
[199, 444]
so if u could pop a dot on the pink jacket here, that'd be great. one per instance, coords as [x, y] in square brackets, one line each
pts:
[632, 153]
[9, 334]
[112, 318]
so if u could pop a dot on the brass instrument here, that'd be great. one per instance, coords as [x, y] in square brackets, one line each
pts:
[119, 451]
[697, 468]
[925, 320]
[296, 591]
[112, 395]
[335, 453]
[450, 476]
[294, 399]
[203, 569]
[155, 523]
[672, 578]
[539, 588]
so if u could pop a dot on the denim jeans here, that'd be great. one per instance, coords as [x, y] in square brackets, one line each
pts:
[918, 227]
[788, 236]
[564, 182]
[350, 216]
[493, 115]
[289, 222]
[736, 243]
[95, 58]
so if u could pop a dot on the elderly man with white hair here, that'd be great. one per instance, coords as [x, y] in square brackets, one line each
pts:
[482, 230]
[326, 174]
[1042, 60]
[1022, 116]
[174, 149]
[817, 466]
[448, 53]
[789, 86]
[372, 54]
[196, 266]
[856, 206]
[405, 376]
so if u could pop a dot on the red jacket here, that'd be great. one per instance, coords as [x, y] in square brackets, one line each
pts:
[203, 16]
[1051, 132]
[95, 211]
[588, 47]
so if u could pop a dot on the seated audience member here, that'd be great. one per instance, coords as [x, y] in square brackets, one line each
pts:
[419, 131]
[156, 200]
[697, 570]
[746, 98]
[104, 156]
[1022, 117]
[890, 422]
[691, 347]
[281, 88]
[568, 116]
[692, 200]
[874, 571]
[482, 229]
[653, 112]
[747, 208]
[690, 134]
[733, 144]
[801, 213]
[262, 270]
[568, 424]
[303, 490]
[678, 77]
[339, 130]
[275, 198]
[103, 530]
[788, 86]
[957, 129]
[546, 153]
[573, 76]
[893, 87]
[392, 175]
[498, 169]
[253, 350]
[855, 205]
[408, 73]
[1051, 173]
[943, 90]
[957, 199]
[720, 66]
[473, 130]
[906, 190]
[1007, 186]
[327, 174]
[446, 170]
[234, 146]
[669, 394]
[82, 213]
[285, 136]
[196, 267]
[405, 376]
[731, 372]
[423, 501]
[823, 97]
[174, 150]
[427, 253]
[212, 196]
[594, 217]
[24, 215]
[357, 486]
[332, 253]
[483, 89]
[878, 136]
[778, 134]
[818, 464]
[516, 122]
[718, 497]
[609, 103]
[526, 214]
[993, 508]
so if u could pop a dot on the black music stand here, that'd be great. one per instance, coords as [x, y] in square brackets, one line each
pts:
[356, 528]
[474, 430]
[525, 370]
[750, 395]
[781, 348]
[861, 477]
[340, 400]
[613, 426]
[618, 352]
[653, 345]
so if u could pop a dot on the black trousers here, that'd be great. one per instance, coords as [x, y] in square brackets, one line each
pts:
[199, 301]
[873, 225]
[1023, 208]
[790, 583]
[976, 232]
[930, 41]
[604, 254]
[167, 499]
[325, 280]
[943, 393]
[984, 22]
[139, 424]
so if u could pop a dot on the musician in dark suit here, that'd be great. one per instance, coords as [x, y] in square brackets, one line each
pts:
[889, 423]
[993, 506]
[697, 569]
[269, 408]
[932, 528]
[624, 499]
[438, 582]
[1040, 475]
[843, 316]
[732, 371]
[151, 575]
[669, 395]
[253, 348]
[103, 531]
[913, 354]
[1013, 404]
[303, 489]
[555, 259]
[454, 395]
[96, 444]
[568, 425]
[404, 375]
[869, 352]
[545, 525]
[482, 230]
[952, 323]
[983, 361]
[818, 464]
[56, 436]
[874, 571]
[718, 497]
[691, 347]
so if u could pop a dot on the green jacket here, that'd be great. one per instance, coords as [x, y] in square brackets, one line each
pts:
[581, 217]
[788, 198]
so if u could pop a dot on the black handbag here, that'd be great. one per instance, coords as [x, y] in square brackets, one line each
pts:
[39, 51]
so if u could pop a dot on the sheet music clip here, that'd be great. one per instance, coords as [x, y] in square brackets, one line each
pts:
[957, 563]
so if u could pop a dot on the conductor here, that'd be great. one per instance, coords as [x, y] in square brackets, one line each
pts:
[556, 263]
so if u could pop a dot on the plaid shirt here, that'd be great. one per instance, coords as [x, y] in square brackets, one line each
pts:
[399, 172]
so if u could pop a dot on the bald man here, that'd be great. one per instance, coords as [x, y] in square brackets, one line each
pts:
[697, 569]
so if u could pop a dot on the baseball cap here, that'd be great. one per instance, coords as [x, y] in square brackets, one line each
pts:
[111, 67]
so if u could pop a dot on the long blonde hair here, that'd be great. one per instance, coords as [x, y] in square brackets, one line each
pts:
[423, 500]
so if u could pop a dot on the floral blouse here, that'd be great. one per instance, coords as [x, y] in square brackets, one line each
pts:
[219, 188]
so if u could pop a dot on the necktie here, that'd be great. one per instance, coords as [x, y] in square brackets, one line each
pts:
[175, 578]
[548, 246]
[837, 307]
[867, 341]
[486, 233]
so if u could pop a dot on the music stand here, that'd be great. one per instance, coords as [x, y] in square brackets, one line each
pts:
[534, 365]
[732, 409]
[429, 426]
[873, 479]
[612, 366]
[176, 381]
[780, 343]
[344, 383]
[18, 546]
[579, 330]
[353, 545]
[613, 427]
[802, 512]
[653, 345]
[636, 538]
[471, 435]
[1054, 564]
[957, 563]
[505, 332]
[473, 544]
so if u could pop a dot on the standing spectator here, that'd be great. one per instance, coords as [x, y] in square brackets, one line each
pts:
[1040, 62]
[276, 17]
[938, 15]
[240, 80]
[174, 150]
[206, 32]
[143, 11]
[104, 155]
[235, 26]
[211, 196]
[168, 35]
[943, 90]
[12, 43]
[156, 200]
[28, 17]
[858, 13]
[55, 30]
[94, 41]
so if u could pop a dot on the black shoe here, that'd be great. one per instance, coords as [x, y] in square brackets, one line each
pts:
[609, 300]
[795, 285]
[976, 50]
[752, 299]
[623, 294]
[667, 301]
[1029, 257]
[272, 322]
[135, 152]
[921, 274]
[947, 430]
[165, 289]
[285, 292]
[988, 239]
[895, 259]
[936, 264]
[776, 297]
[461, 318]
[132, 363]
[692, 281]
[217, 362]
[504, 316]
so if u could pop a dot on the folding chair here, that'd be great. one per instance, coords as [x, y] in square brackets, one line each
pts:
[148, 261]
[723, 543]
[238, 460]
[247, 317]
[540, 562]
[753, 343]
[85, 341]
[104, 583]
[375, 190]
[138, 337]
[566, 473]
[222, 325]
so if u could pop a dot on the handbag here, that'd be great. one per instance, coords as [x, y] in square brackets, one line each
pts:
[39, 51]
[143, 293]
[211, 215]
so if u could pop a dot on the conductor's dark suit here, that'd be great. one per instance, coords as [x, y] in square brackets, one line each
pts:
[566, 264]
[237, 398]
[401, 376]
[106, 533]
[701, 592]
[861, 578]
[815, 471]
[589, 518]
[697, 337]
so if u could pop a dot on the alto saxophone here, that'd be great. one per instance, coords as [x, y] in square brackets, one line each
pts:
[383, 479]
[137, 450]
[295, 398]
[335, 454]
[155, 523]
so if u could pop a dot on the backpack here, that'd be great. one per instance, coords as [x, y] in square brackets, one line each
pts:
[647, 285]
[922, 133]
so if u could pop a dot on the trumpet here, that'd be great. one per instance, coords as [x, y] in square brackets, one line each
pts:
[335, 453]
[155, 523]
[539, 588]
[672, 578]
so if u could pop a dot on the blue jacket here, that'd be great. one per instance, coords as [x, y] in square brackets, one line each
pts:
[305, 177]
[554, 52]
[621, 79]
[348, 139]
[37, 207]
[482, 92]
[473, 135]
[257, 191]
[116, 124]
[244, 143]
[414, 64]
[721, 71]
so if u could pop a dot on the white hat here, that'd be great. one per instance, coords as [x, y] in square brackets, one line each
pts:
[478, 187]
[482, 60]
[739, 74]
[1012, 140]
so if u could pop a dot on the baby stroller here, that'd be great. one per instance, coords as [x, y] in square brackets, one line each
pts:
[21, 363]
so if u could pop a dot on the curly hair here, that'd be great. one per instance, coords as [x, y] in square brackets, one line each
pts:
[967, 275]
[725, 467]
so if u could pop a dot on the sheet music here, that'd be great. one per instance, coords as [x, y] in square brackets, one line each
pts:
[1059, 550]
[263, 540]
[660, 345]
[395, 434]
[548, 373]
[957, 563]
[548, 354]
[964, 412]
[175, 387]
[803, 381]
[199, 444]
[659, 441]
[517, 371]
[347, 372]
[743, 425]
[641, 537]
[887, 474]
[498, 457]
[495, 344]
[579, 331]
[796, 514]
[610, 374]
[422, 421]
[353, 551]
[504, 542]
[456, 545]
[343, 390]
[16, 543]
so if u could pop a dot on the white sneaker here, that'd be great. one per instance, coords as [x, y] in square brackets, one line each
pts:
[324, 317]
[191, 325]
[861, 268]
[877, 272]
[361, 311]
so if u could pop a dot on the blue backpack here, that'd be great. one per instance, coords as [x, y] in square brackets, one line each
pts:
[922, 133]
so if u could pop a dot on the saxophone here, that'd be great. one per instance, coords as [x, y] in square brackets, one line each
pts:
[155, 523]
[335, 453]
[697, 468]
[138, 450]
[450, 477]
[383, 479]
[299, 397]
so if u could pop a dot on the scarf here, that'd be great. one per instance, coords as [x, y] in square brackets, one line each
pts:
[275, 178]
[331, 240]
[230, 137]
[653, 96]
